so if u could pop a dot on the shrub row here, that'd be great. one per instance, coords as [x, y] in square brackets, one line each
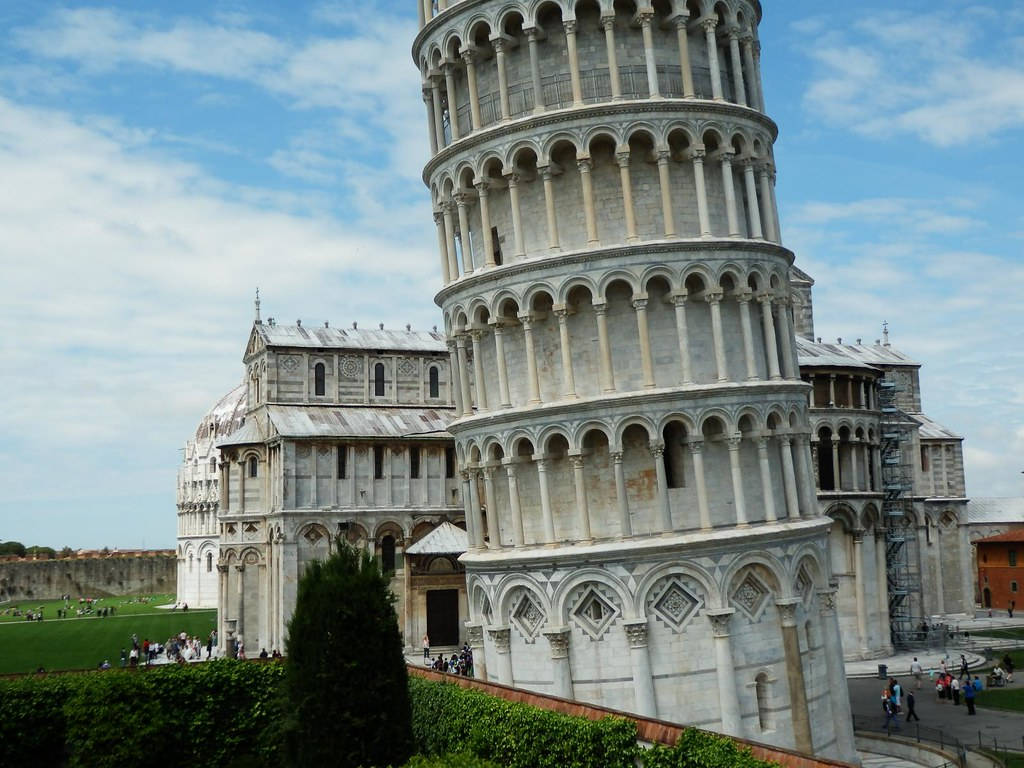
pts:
[449, 719]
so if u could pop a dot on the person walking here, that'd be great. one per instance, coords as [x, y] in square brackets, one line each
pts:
[897, 693]
[954, 686]
[963, 666]
[1008, 666]
[891, 721]
[911, 712]
[426, 647]
[969, 694]
[917, 671]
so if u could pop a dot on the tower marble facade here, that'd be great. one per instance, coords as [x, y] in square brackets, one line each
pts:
[631, 427]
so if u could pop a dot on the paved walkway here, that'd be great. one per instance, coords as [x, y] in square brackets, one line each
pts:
[899, 665]
[871, 760]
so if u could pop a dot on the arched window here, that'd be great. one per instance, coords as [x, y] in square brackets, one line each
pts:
[213, 464]
[435, 386]
[253, 467]
[209, 562]
[378, 462]
[387, 554]
[378, 380]
[414, 462]
[761, 690]
[319, 380]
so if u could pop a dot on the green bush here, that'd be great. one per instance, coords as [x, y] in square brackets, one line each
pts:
[32, 726]
[700, 749]
[346, 681]
[450, 719]
[463, 760]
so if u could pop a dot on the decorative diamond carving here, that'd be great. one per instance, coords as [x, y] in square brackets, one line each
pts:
[313, 535]
[528, 617]
[675, 605]
[594, 614]
[407, 367]
[351, 367]
[290, 363]
[751, 596]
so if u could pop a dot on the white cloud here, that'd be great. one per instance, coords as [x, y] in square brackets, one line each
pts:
[934, 75]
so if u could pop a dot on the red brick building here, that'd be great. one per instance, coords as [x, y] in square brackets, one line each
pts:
[1001, 569]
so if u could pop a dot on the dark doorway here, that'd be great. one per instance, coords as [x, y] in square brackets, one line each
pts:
[443, 616]
[986, 597]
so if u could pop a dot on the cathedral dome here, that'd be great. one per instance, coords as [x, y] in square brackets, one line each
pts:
[224, 417]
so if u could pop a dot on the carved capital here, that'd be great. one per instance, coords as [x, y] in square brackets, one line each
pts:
[695, 446]
[657, 450]
[584, 164]
[475, 635]
[607, 23]
[827, 601]
[576, 461]
[483, 187]
[720, 619]
[468, 56]
[644, 16]
[616, 456]
[501, 637]
[500, 45]
[640, 304]
[858, 535]
[636, 633]
[713, 297]
[559, 641]
[513, 179]
[787, 610]
[222, 568]
[735, 441]
[709, 24]
[570, 26]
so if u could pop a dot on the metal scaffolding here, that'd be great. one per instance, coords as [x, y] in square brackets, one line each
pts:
[902, 576]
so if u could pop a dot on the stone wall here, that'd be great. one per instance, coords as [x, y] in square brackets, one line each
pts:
[87, 577]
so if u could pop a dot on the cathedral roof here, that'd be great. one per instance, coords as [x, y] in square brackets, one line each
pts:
[816, 354]
[932, 430]
[350, 338]
[226, 415]
[349, 421]
[996, 510]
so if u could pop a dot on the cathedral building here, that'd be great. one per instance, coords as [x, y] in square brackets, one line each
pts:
[627, 472]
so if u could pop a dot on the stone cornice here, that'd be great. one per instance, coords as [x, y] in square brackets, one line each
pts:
[477, 282]
[695, 543]
[531, 123]
[669, 395]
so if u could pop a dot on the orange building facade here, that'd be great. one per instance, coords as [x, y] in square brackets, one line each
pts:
[1001, 570]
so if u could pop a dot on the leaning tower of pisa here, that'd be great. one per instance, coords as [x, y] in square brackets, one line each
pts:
[632, 429]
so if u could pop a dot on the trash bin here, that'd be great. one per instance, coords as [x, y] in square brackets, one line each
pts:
[883, 671]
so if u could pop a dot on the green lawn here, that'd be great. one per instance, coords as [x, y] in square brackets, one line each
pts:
[1012, 696]
[1016, 633]
[84, 642]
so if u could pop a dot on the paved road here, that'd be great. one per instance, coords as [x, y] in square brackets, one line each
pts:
[1005, 727]
[871, 760]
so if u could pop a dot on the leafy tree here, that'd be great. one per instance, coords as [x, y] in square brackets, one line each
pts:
[12, 548]
[66, 552]
[48, 552]
[346, 680]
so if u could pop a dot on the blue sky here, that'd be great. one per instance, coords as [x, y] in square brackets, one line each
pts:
[161, 160]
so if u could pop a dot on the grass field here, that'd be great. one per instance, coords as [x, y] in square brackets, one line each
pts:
[84, 642]
[1012, 696]
[1016, 633]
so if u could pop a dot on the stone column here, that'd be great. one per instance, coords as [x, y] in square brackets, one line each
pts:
[568, 381]
[584, 165]
[475, 640]
[767, 489]
[748, 58]
[474, 509]
[472, 528]
[832, 390]
[640, 661]
[608, 23]
[462, 205]
[574, 62]
[435, 98]
[725, 156]
[770, 347]
[538, 86]
[966, 574]
[709, 25]
[515, 510]
[836, 465]
[453, 101]
[453, 362]
[647, 360]
[679, 301]
[547, 517]
[467, 397]
[768, 215]
[241, 625]
[799, 713]
[748, 335]
[622, 158]
[492, 510]
[806, 488]
[854, 467]
[735, 443]
[699, 183]
[721, 369]
[431, 127]
[449, 236]
[697, 452]
[837, 689]
[665, 185]
[549, 205]
[664, 505]
[862, 606]
[558, 639]
[881, 574]
[728, 698]
[421, 14]
[482, 189]
[222, 604]
[517, 220]
[622, 500]
[789, 477]
[757, 72]
[478, 370]
[737, 67]
[790, 368]
[582, 509]
[683, 39]
[645, 17]
[469, 59]
[501, 639]
[607, 374]
[500, 44]
[752, 205]
[499, 351]
[531, 358]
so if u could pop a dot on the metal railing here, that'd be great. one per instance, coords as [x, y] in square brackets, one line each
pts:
[916, 732]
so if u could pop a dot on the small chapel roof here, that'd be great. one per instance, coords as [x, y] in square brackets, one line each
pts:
[816, 353]
[319, 337]
[446, 539]
[332, 421]
[932, 430]
[1009, 509]
[249, 433]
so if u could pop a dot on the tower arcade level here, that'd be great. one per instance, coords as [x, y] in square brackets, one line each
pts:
[631, 427]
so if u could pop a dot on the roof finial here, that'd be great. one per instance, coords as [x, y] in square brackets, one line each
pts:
[885, 332]
[258, 321]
